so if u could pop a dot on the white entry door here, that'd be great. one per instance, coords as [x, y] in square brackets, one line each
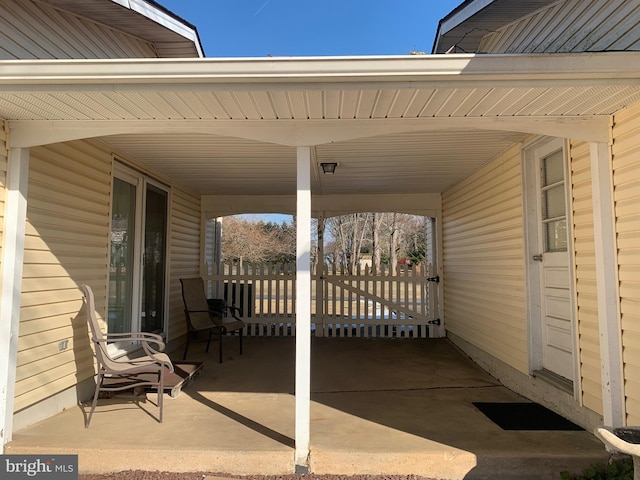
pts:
[549, 259]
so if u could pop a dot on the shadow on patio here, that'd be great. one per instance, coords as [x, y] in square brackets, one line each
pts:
[383, 406]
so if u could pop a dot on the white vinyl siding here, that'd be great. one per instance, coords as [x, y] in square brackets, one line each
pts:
[626, 178]
[184, 256]
[30, 30]
[484, 272]
[585, 276]
[66, 245]
[571, 26]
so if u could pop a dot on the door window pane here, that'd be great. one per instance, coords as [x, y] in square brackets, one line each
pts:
[553, 205]
[155, 236]
[553, 202]
[556, 236]
[122, 256]
[553, 168]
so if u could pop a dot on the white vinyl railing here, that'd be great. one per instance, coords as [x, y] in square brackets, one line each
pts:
[366, 303]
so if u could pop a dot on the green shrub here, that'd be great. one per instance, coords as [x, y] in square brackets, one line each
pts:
[621, 469]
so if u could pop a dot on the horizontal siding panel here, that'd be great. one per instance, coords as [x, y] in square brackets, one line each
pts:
[591, 402]
[30, 30]
[570, 26]
[483, 232]
[43, 317]
[626, 178]
[184, 253]
[37, 298]
[47, 341]
[66, 244]
[585, 275]
[59, 382]
[67, 357]
[633, 406]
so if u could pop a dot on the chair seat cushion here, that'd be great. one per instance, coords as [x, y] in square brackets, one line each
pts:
[232, 325]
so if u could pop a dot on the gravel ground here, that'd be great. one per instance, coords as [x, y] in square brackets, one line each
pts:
[145, 475]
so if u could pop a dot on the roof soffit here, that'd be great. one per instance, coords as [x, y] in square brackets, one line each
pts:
[395, 124]
[291, 98]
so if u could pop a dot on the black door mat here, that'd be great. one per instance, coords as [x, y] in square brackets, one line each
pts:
[524, 416]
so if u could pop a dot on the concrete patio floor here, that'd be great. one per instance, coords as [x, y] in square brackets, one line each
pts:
[383, 407]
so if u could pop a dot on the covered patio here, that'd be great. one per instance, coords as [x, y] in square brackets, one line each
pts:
[378, 406]
[248, 136]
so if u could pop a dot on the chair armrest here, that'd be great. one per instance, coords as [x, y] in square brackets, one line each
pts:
[156, 357]
[233, 309]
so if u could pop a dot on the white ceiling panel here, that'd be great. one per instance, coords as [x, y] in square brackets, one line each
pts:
[416, 162]
[317, 104]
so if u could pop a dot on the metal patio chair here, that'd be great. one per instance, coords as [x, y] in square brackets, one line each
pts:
[117, 374]
[207, 317]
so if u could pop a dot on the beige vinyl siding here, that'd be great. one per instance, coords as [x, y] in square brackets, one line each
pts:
[571, 26]
[210, 241]
[184, 253]
[484, 273]
[66, 244]
[30, 30]
[430, 241]
[3, 181]
[626, 178]
[585, 276]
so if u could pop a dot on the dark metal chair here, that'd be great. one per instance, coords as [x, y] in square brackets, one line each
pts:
[116, 374]
[207, 317]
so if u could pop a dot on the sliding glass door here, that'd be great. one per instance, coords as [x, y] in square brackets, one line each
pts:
[138, 265]
[154, 263]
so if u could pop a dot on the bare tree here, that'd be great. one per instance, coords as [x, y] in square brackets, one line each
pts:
[241, 241]
[394, 241]
[387, 236]
[350, 234]
[376, 222]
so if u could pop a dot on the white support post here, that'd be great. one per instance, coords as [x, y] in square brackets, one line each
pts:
[438, 331]
[303, 311]
[15, 215]
[607, 285]
[320, 320]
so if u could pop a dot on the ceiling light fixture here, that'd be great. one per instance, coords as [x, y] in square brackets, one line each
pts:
[329, 168]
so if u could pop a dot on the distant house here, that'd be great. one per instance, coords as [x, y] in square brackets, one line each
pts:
[519, 138]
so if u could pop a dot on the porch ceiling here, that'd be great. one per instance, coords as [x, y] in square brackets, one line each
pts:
[394, 124]
[416, 162]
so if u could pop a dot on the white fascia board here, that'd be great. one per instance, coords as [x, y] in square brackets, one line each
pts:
[463, 15]
[457, 70]
[162, 18]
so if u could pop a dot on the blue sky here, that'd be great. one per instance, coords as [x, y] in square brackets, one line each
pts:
[258, 28]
